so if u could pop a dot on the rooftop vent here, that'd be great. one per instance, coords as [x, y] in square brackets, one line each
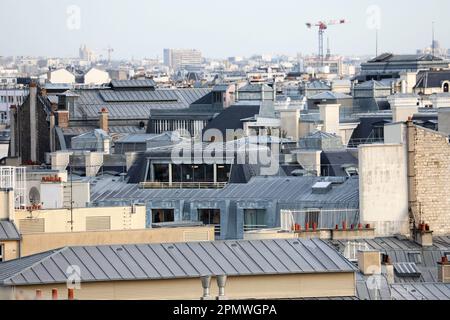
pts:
[321, 187]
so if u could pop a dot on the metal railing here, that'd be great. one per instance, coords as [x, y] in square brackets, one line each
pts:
[182, 185]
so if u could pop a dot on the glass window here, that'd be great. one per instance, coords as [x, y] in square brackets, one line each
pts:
[1, 252]
[311, 217]
[163, 215]
[210, 217]
[254, 219]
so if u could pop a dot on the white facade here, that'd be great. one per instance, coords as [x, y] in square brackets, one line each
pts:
[10, 96]
[60, 76]
[384, 187]
[96, 77]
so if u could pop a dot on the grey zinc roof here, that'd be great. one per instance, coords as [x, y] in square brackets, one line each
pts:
[421, 291]
[147, 83]
[329, 95]
[285, 190]
[8, 231]
[181, 260]
[129, 104]
[403, 251]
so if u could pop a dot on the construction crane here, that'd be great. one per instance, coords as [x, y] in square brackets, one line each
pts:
[322, 27]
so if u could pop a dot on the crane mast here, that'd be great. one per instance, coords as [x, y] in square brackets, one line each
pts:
[322, 26]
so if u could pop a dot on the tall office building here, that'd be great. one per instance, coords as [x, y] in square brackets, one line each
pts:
[179, 59]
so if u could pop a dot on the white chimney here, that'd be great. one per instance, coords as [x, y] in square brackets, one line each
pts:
[440, 100]
[444, 270]
[369, 262]
[329, 114]
[403, 106]
[7, 209]
[444, 120]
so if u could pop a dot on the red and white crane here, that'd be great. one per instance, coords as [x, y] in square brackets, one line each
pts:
[323, 25]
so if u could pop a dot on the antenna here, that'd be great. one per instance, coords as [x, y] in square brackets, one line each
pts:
[432, 41]
[376, 42]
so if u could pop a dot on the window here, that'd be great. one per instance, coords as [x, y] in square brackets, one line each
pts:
[254, 219]
[415, 257]
[210, 217]
[163, 215]
[446, 87]
[311, 217]
[2, 249]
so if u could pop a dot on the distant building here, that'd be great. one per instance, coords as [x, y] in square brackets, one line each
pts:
[389, 65]
[10, 95]
[183, 59]
[86, 54]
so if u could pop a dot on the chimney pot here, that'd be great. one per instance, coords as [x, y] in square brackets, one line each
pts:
[38, 294]
[54, 294]
[70, 294]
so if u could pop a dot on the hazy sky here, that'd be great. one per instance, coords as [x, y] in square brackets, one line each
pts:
[142, 28]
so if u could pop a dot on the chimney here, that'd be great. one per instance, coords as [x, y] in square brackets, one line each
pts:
[441, 100]
[424, 236]
[206, 284]
[103, 121]
[221, 283]
[52, 132]
[444, 120]
[369, 262]
[290, 123]
[7, 209]
[12, 123]
[403, 106]
[444, 270]
[329, 114]
[33, 122]
[63, 118]
[387, 269]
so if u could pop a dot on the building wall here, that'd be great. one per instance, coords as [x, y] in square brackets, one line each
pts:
[429, 174]
[245, 287]
[42, 242]
[121, 218]
[384, 188]
[11, 249]
[61, 76]
[96, 77]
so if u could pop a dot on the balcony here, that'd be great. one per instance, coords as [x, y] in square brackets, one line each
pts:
[182, 185]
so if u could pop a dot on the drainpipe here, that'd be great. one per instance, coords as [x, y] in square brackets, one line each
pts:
[221, 283]
[206, 284]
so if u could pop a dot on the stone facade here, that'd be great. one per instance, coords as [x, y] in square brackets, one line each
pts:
[429, 177]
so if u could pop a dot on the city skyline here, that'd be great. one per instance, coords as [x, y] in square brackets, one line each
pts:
[145, 29]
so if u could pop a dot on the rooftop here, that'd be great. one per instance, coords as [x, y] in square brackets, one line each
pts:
[180, 260]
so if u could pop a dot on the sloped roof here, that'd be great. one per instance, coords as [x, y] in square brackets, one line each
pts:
[432, 79]
[372, 84]
[231, 117]
[132, 104]
[389, 57]
[8, 231]
[252, 87]
[129, 84]
[329, 95]
[179, 260]
[295, 191]
[420, 291]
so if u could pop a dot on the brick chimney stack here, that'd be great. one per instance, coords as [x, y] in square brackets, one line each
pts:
[103, 121]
